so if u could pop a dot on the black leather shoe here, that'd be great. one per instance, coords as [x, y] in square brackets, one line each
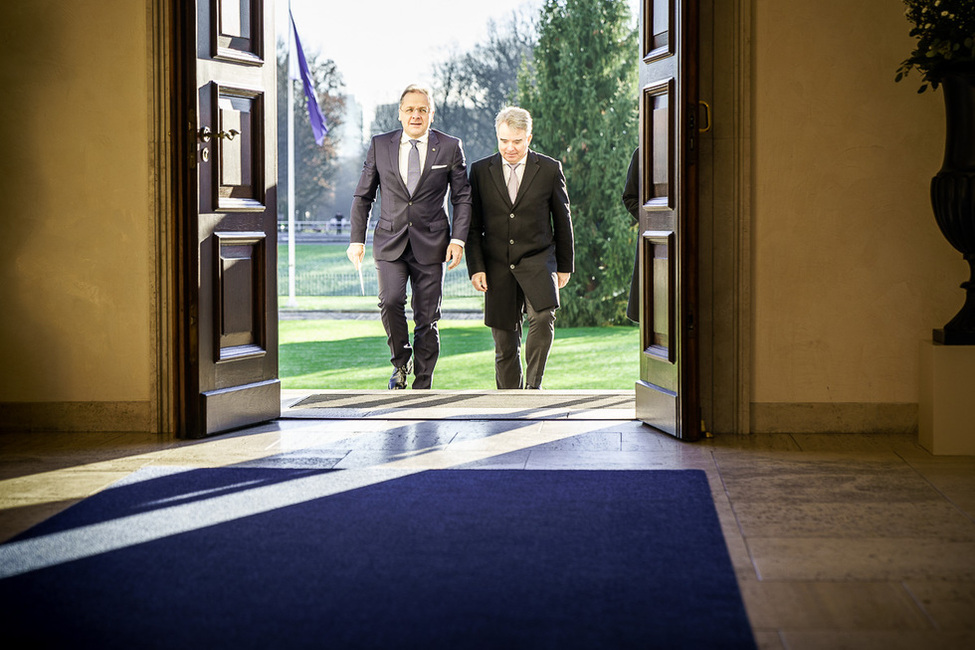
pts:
[398, 380]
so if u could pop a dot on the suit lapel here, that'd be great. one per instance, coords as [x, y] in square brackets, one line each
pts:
[433, 151]
[495, 169]
[531, 168]
[394, 142]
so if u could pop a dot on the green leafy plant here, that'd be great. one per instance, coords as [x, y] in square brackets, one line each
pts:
[945, 32]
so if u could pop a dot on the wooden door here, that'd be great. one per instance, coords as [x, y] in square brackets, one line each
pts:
[668, 394]
[226, 243]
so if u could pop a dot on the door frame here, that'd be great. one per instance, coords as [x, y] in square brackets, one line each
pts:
[725, 210]
[164, 205]
[725, 216]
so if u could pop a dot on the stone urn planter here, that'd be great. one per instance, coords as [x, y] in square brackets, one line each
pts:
[953, 195]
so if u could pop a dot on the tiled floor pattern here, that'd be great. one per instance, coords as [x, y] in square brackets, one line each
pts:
[839, 541]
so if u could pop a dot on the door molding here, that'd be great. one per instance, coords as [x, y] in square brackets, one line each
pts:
[725, 213]
[162, 213]
[742, 336]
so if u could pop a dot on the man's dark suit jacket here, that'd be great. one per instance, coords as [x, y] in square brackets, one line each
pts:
[519, 246]
[420, 219]
[631, 199]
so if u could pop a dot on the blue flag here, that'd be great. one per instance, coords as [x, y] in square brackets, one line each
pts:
[314, 112]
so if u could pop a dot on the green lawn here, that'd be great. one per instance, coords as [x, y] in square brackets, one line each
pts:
[324, 271]
[318, 256]
[352, 354]
[367, 303]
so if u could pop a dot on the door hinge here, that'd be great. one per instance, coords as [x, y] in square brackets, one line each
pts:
[191, 149]
[704, 428]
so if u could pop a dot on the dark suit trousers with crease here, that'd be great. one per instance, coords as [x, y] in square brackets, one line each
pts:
[507, 350]
[426, 281]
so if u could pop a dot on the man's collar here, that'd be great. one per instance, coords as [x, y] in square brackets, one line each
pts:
[524, 158]
[423, 138]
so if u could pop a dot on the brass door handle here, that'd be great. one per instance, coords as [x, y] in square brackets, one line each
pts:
[205, 134]
[707, 116]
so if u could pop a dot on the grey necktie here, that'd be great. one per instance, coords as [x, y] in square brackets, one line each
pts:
[413, 167]
[513, 182]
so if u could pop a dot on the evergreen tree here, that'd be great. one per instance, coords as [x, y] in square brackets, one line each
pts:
[581, 89]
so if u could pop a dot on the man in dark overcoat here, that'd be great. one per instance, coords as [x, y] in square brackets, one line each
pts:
[520, 247]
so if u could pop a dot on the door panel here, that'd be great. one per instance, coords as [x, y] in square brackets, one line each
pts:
[667, 393]
[240, 291]
[239, 173]
[237, 31]
[660, 276]
[658, 158]
[228, 288]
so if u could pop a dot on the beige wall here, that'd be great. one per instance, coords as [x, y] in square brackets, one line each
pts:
[850, 271]
[74, 176]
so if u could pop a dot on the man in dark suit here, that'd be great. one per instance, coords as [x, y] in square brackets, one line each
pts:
[631, 200]
[520, 247]
[413, 168]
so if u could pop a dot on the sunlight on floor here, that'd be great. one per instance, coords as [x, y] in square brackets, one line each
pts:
[198, 510]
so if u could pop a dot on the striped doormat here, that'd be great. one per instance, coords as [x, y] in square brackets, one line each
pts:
[467, 405]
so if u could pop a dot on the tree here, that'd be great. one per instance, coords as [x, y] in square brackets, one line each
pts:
[387, 119]
[471, 87]
[581, 90]
[315, 166]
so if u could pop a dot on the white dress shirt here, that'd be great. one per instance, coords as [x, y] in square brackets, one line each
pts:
[519, 170]
[404, 152]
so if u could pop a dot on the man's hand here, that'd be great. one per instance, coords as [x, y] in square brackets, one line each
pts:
[479, 280]
[455, 253]
[563, 279]
[355, 253]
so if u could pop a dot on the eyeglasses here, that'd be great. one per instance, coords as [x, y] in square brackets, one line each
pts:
[409, 110]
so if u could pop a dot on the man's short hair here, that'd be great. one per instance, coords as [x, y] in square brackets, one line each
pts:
[516, 118]
[417, 88]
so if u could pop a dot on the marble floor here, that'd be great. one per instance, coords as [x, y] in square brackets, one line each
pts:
[838, 541]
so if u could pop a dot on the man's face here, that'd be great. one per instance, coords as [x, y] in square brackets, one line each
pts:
[512, 143]
[415, 114]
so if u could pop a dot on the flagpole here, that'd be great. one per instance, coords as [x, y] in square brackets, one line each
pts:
[319, 128]
[292, 301]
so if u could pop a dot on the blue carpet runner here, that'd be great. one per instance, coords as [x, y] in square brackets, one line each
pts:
[436, 559]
